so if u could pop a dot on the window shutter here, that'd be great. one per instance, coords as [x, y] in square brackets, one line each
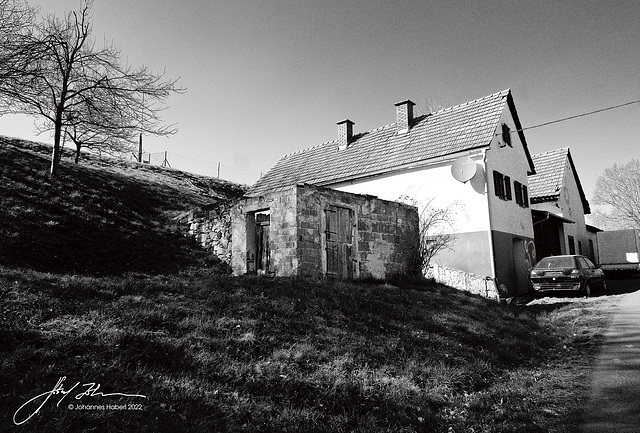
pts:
[518, 187]
[525, 197]
[506, 134]
[498, 184]
[507, 188]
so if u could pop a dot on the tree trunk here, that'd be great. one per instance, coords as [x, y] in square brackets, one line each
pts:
[78, 146]
[57, 136]
[55, 155]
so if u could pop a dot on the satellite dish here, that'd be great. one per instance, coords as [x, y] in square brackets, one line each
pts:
[463, 169]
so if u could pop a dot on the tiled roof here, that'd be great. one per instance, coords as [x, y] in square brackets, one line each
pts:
[464, 127]
[548, 181]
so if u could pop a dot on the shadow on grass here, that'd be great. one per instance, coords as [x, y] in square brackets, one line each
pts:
[100, 220]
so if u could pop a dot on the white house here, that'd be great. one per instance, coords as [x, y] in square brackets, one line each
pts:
[473, 156]
[558, 206]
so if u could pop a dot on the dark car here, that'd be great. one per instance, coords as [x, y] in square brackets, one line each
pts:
[574, 273]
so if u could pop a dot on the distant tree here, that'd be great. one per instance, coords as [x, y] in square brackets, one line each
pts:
[617, 195]
[436, 230]
[81, 90]
[432, 103]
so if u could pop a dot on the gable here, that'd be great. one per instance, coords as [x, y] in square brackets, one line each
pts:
[464, 127]
[549, 180]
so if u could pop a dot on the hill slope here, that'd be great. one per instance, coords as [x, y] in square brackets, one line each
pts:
[218, 353]
[101, 216]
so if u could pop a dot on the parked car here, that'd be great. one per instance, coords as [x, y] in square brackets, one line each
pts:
[572, 272]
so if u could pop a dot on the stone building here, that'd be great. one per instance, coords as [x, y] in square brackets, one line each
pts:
[305, 230]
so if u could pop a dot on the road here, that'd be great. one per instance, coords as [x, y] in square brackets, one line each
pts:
[614, 400]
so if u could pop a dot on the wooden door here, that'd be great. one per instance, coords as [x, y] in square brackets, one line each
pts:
[262, 243]
[339, 242]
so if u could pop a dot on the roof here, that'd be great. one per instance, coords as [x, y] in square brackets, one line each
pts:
[542, 215]
[464, 127]
[593, 229]
[545, 185]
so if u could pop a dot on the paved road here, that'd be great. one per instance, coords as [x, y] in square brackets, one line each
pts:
[614, 403]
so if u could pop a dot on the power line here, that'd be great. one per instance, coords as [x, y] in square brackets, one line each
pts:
[212, 163]
[578, 115]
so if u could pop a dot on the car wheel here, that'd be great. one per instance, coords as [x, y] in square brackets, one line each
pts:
[587, 289]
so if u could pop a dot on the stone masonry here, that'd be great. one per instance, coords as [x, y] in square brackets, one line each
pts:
[384, 232]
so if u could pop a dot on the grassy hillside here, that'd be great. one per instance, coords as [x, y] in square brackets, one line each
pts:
[217, 353]
[92, 290]
[101, 216]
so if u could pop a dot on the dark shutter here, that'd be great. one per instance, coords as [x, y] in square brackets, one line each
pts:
[518, 187]
[498, 184]
[507, 188]
[506, 134]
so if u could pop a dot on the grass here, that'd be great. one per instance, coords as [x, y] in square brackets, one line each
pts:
[217, 353]
[101, 216]
[97, 285]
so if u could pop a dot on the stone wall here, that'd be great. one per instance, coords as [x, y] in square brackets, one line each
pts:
[210, 226]
[477, 284]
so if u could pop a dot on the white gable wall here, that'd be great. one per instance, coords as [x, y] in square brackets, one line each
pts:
[572, 208]
[506, 215]
[511, 223]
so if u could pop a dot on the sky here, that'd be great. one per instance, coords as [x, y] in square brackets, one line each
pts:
[266, 78]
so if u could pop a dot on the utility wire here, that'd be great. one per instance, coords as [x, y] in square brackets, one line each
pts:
[578, 115]
[212, 163]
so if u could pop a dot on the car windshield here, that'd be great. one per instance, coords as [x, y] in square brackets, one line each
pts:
[556, 262]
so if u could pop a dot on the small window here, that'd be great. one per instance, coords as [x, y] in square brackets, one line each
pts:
[507, 188]
[518, 192]
[498, 183]
[572, 245]
[521, 194]
[506, 134]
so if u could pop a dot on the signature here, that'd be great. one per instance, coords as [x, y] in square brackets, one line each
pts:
[58, 390]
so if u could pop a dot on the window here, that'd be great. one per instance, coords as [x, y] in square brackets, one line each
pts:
[506, 135]
[502, 185]
[585, 263]
[572, 245]
[521, 194]
[507, 188]
[498, 183]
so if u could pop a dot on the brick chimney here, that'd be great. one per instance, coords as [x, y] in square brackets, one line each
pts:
[345, 133]
[404, 115]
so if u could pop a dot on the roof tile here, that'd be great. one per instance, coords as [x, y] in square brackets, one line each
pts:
[463, 127]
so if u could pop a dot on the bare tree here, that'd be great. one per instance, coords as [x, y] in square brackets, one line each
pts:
[617, 195]
[16, 24]
[77, 88]
[436, 230]
[432, 103]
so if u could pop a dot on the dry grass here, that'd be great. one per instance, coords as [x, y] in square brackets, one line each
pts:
[215, 353]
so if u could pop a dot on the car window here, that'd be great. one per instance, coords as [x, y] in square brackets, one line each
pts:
[583, 263]
[590, 263]
[556, 262]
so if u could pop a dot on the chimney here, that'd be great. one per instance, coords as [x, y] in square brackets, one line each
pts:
[345, 131]
[404, 115]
